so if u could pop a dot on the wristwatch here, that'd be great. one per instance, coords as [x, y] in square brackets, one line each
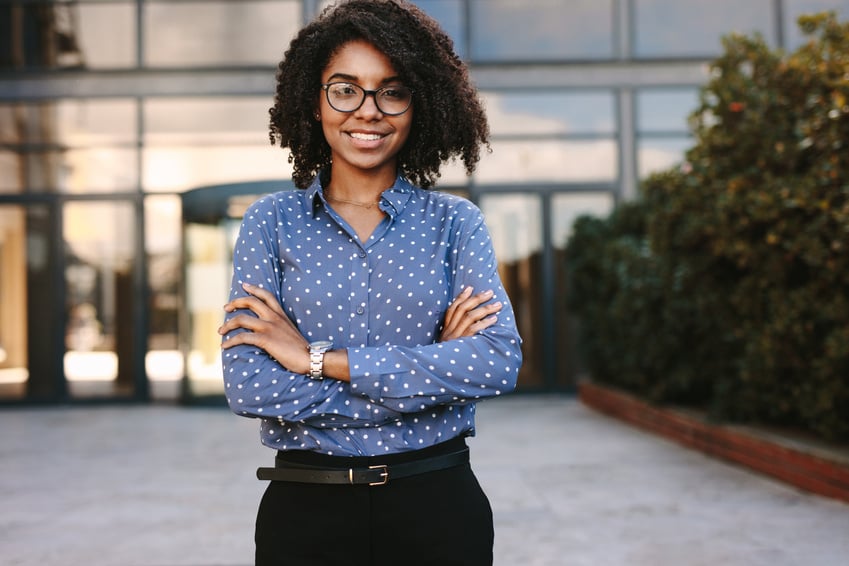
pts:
[317, 350]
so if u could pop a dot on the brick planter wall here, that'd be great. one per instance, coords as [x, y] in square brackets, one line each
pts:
[810, 468]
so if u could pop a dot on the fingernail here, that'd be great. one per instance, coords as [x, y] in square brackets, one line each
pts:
[488, 292]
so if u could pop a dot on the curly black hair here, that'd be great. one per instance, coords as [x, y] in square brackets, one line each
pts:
[448, 123]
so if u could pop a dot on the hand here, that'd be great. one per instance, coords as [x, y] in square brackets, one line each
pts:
[270, 330]
[469, 314]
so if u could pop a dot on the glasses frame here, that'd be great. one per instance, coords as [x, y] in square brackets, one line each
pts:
[366, 93]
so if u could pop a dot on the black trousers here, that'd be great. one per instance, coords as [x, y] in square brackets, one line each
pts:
[438, 518]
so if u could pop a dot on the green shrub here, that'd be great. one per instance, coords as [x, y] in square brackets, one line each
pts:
[727, 284]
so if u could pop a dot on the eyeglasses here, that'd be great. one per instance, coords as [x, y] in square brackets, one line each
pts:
[348, 97]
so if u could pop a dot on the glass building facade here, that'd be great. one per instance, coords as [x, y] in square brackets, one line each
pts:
[133, 134]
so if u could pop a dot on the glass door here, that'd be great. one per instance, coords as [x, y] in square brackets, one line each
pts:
[515, 222]
[30, 304]
[211, 217]
[14, 367]
[100, 327]
[565, 209]
[530, 229]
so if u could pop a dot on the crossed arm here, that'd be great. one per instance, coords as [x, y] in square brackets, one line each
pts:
[271, 330]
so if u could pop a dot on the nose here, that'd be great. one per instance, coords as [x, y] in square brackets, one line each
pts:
[368, 109]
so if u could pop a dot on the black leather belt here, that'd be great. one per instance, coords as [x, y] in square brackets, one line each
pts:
[371, 475]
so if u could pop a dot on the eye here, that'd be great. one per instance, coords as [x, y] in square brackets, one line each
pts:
[344, 89]
[395, 92]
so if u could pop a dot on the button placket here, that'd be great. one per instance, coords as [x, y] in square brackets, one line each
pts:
[359, 294]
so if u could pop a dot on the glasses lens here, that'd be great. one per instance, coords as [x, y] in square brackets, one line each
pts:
[394, 99]
[344, 97]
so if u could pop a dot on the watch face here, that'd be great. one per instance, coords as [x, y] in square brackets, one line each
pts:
[321, 345]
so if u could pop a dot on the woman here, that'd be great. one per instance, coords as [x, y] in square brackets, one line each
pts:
[341, 334]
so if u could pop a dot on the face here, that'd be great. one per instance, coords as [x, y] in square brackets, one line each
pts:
[365, 140]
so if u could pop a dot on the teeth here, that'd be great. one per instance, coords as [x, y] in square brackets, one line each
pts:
[366, 137]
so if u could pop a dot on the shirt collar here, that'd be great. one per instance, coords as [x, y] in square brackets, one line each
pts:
[393, 200]
[396, 197]
[315, 195]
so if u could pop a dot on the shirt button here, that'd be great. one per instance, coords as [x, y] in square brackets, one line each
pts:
[362, 253]
[360, 310]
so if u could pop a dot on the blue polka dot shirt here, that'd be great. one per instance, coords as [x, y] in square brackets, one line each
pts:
[384, 300]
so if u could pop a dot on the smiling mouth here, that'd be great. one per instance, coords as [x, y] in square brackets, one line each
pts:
[366, 137]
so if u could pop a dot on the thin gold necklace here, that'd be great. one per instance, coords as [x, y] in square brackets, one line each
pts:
[366, 205]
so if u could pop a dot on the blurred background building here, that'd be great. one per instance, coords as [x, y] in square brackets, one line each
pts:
[134, 133]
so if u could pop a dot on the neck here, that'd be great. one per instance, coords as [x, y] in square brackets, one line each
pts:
[365, 204]
[359, 186]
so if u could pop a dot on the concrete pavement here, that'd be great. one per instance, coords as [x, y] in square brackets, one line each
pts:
[172, 486]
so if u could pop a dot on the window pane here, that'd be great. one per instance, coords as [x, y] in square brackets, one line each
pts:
[164, 360]
[551, 30]
[565, 209]
[14, 367]
[692, 28]
[451, 17]
[654, 155]
[550, 112]
[180, 168]
[72, 146]
[206, 121]
[665, 110]
[108, 34]
[85, 123]
[11, 178]
[94, 170]
[99, 170]
[453, 174]
[207, 281]
[793, 38]
[545, 161]
[195, 142]
[515, 222]
[100, 245]
[67, 35]
[218, 33]
[69, 123]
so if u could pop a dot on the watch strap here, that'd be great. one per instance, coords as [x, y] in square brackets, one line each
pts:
[317, 351]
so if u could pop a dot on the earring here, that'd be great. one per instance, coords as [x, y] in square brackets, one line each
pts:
[317, 117]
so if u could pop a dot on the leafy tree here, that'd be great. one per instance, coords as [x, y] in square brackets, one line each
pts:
[737, 288]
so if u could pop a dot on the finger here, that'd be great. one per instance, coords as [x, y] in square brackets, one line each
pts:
[240, 338]
[469, 330]
[456, 306]
[482, 324]
[475, 300]
[461, 296]
[265, 296]
[464, 309]
[469, 323]
[254, 304]
[245, 321]
[474, 316]
[486, 310]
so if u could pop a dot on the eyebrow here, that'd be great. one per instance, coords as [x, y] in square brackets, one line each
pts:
[353, 79]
